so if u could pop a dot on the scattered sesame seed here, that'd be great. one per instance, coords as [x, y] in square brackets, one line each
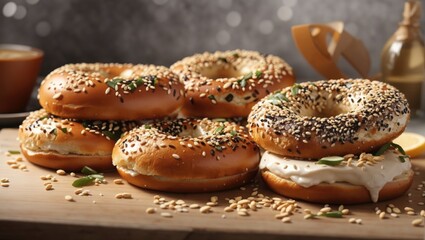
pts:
[69, 198]
[205, 209]
[118, 181]
[150, 210]
[417, 222]
[166, 215]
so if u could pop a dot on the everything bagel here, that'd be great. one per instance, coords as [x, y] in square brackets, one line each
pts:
[69, 144]
[328, 118]
[187, 155]
[228, 84]
[111, 92]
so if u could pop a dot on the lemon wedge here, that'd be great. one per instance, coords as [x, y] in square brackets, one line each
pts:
[412, 143]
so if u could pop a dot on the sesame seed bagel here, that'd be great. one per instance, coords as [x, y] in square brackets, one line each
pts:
[329, 118]
[187, 155]
[111, 92]
[68, 144]
[228, 84]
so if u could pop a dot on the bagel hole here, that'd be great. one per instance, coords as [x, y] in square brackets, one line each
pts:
[224, 71]
[330, 110]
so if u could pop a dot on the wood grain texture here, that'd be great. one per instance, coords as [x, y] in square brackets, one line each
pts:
[28, 210]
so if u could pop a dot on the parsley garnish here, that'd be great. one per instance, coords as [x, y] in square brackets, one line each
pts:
[243, 80]
[89, 179]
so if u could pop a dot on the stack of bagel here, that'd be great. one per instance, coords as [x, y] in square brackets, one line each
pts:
[87, 107]
[124, 115]
[178, 129]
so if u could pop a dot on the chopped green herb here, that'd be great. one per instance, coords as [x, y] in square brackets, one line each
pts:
[331, 160]
[218, 148]
[114, 82]
[334, 214]
[147, 126]
[233, 133]
[245, 78]
[399, 148]
[54, 131]
[382, 149]
[112, 135]
[222, 59]
[14, 152]
[403, 158]
[64, 130]
[295, 88]
[88, 170]
[83, 181]
[235, 55]
[89, 179]
[133, 84]
[43, 117]
[211, 97]
[277, 98]
[386, 146]
[219, 130]
[258, 73]
[98, 176]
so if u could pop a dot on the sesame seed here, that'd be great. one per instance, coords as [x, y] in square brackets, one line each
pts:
[123, 196]
[205, 209]
[69, 198]
[166, 215]
[118, 181]
[60, 172]
[150, 210]
[176, 156]
[417, 222]
[194, 206]
[57, 95]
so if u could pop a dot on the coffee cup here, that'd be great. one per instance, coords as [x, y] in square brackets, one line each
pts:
[19, 69]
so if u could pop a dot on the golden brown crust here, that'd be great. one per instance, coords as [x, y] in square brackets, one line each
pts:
[337, 193]
[175, 150]
[328, 118]
[314, 149]
[67, 162]
[228, 84]
[87, 91]
[188, 185]
[73, 142]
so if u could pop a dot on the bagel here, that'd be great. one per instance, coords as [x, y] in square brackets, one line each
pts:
[227, 84]
[347, 183]
[111, 92]
[68, 144]
[187, 155]
[329, 118]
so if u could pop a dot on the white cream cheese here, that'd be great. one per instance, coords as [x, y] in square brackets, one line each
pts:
[308, 173]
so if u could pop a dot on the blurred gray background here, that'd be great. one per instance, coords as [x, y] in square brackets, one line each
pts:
[164, 31]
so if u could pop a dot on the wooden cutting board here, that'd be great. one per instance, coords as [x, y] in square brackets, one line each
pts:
[28, 210]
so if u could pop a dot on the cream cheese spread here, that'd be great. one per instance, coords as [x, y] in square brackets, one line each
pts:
[309, 173]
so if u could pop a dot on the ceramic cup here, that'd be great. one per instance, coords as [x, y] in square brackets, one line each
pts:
[19, 69]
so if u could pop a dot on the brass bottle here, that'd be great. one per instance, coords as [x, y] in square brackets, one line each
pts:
[403, 58]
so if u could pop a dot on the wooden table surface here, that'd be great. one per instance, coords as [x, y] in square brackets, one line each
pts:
[28, 210]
